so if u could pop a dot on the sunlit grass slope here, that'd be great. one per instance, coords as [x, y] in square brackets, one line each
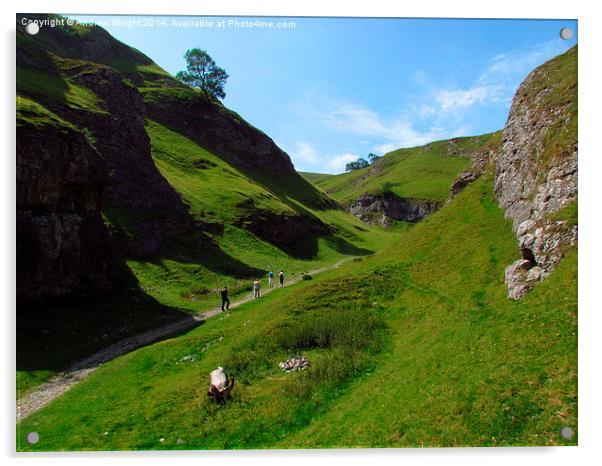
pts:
[417, 346]
[185, 277]
[219, 194]
[424, 172]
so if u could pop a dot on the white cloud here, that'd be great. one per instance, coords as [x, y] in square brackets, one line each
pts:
[452, 99]
[305, 153]
[438, 113]
[394, 132]
[498, 82]
[426, 111]
[518, 63]
[357, 119]
[338, 162]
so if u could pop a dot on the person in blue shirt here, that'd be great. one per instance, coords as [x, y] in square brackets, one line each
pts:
[271, 278]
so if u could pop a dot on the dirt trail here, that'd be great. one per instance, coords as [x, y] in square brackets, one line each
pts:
[42, 395]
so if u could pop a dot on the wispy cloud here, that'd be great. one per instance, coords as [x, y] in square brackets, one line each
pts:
[393, 132]
[305, 153]
[453, 99]
[436, 113]
[357, 119]
[498, 81]
[338, 162]
[307, 158]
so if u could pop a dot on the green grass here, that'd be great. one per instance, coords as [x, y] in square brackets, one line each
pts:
[55, 88]
[186, 277]
[425, 172]
[217, 193]
[213, 189]
[416, 346]
[30, 112]
[315, 177]
[569, 213]
[559, 77]
[50, 341]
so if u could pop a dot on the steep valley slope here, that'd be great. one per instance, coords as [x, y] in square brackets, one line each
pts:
[417, 346]
[409, 184]
[152, 168]
[136, 189]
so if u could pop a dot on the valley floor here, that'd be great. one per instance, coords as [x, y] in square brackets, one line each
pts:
[417, 346]
[38, 397]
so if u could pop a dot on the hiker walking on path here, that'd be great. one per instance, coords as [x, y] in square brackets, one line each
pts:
[256, 288]
[225, 299]
[271, 279]
[281, 278]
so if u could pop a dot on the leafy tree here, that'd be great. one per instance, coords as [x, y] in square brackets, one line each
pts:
[202, 72]
[373, 157]
[359, 163]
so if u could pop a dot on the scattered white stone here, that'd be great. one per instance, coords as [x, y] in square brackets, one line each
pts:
[294, 364]
[190, 357]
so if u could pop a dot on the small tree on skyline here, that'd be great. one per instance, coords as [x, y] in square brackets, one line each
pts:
[359, 163]
[202, 72]
[373, 157]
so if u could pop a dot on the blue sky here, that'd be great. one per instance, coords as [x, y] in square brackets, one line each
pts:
[330, 90]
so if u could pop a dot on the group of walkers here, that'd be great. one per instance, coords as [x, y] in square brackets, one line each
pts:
[256, 288]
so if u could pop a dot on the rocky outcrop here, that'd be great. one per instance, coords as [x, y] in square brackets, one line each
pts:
[382, 208]
[63, 246]
[218, 129]
[135, 188]
[282, 229]
[88, 190]
[536, 173]
[480, 158]
[463, 180]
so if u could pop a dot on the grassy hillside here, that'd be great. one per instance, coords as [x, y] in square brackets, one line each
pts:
[220, 194]
[417, 346]
[53, 71]
[315, 178]
[424, 172]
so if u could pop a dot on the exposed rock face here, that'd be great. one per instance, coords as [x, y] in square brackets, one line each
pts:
[134, 187]
[221, 131]
[62, 244]
[537, 169]
[381, 208]
[73, 168]
[463, 180]
[284, 229]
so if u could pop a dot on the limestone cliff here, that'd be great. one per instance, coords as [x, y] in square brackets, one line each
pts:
[382, 208]
[536, 172]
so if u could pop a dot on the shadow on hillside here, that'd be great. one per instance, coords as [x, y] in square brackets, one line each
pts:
[297, 188]
[283, 188]
[54, 337]
[199, 248]
[308, 247]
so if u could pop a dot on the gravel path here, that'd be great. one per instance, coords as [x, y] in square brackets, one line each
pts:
[42, 395]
